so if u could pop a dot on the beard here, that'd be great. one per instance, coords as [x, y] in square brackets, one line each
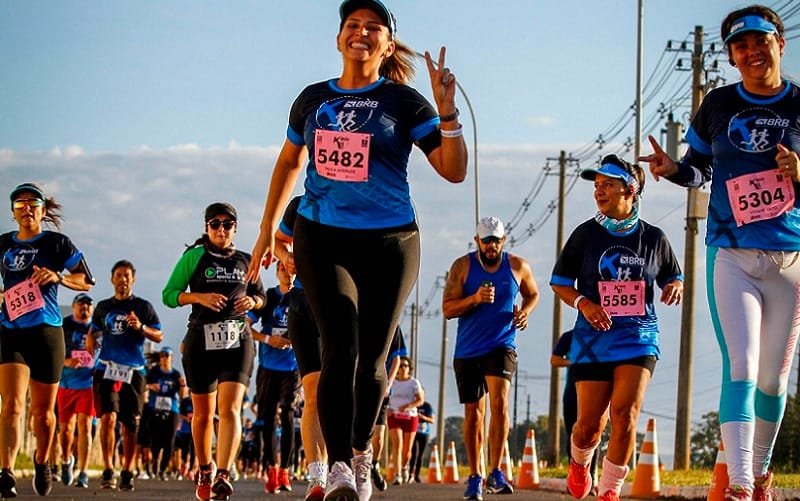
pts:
[489, 261]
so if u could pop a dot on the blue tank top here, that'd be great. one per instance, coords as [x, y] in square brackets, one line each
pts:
[488, 326]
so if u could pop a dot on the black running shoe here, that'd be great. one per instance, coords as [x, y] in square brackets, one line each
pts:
[107, 481]
[126, 480]
[8, 484]
[377, 478]
[42, 478]
[222, 488]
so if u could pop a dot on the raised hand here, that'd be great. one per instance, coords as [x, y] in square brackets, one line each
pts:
[443, 83]
[660, 163]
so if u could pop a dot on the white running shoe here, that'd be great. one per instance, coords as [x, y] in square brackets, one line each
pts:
[341, 483]
[362, 469]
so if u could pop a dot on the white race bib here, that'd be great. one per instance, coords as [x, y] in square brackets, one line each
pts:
[223, 335]
[164, 403]
[280, 331]
[118, 372]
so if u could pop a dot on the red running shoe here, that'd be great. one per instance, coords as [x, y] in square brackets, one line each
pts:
[763, 489]
[284, 482]
[203, 482]
[271, 485]
[609, 496]
[579, 480]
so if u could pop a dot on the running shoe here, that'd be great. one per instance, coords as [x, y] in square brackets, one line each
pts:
[362, 468]
[474, 488]
[107, 480]
[8, 484]
[163, 477]
[82, 480]
[284, 482]
[579, 480]
[222, 488]
[341, 483]
[763, 488]
[496, 483]
[315, 490]
[377, 478]
[406, 475]
[609, 496]
[68, 471]
[126, 481]
[42, 478]
[203, 482]
[271, 485]
[737, 493]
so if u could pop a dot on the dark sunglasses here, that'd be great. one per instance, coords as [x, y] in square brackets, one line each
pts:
[214, 224]
[489, 240]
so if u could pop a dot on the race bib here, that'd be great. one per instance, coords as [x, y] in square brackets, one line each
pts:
[118, 372]
[342, 156]
[622, 298]
[223, 335]
[280, 331]
[22, 298]
[164, 403]
[759, 196]
[84, 358]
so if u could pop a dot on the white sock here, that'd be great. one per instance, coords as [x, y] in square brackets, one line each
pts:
[612, 477]
[318, 470]
[582, 456]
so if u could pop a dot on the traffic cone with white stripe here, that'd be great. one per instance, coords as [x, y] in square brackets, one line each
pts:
[434, 470]
[646, 476]
[719, 478]
[451, 466]
[505, 464]
[529, 472]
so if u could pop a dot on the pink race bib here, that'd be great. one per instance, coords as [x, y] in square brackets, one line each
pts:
[759, 196]
[342, 156]
[622, 298]
[22, 298]
[83, 357]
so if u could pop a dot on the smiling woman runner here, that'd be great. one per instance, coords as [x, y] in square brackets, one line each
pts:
[356, 239]
[218, 349]
[31, 337]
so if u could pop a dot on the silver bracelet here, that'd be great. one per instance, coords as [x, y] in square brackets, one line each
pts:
[457, 132]
[577, 301]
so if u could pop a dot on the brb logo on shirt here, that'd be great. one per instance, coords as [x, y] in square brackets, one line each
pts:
[756, 130]
[116, 323]
[19, 257]
[347, 114]
[621, 263]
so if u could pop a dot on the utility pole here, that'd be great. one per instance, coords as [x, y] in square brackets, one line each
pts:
[442, 372]
[554, 430]
[696, 209]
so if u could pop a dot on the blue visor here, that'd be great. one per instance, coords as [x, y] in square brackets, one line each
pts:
[609, 170]
[750, 23]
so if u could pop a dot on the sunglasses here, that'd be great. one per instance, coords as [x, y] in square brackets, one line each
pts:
[489, 240]
[214, 224]
[27, 202]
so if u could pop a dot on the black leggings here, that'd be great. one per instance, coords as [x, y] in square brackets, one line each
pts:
[356, 282]
[163, 426]
[417, 451]
[277, 390]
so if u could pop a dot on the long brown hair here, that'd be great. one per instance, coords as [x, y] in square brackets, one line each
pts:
[399, 67]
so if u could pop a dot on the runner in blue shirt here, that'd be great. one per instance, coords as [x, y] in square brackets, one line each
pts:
[356, 240]
[608, 270]
[121, 324]
[166, 388]
[747, 135]
[31, 337]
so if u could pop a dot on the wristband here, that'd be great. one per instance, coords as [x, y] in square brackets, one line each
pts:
[60, 278]
[577, 301]
[141, 329]
[457, 132]
[450, 117]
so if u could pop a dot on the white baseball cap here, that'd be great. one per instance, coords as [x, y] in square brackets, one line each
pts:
[490, 227]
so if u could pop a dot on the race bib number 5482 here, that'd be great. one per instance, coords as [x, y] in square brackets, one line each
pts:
[342, 156]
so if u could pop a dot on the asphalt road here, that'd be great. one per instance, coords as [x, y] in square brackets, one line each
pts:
[253, 489]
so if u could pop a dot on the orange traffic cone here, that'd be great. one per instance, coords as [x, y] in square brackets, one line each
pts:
[434, 470]
[719, 479]
[529, 472]
[505, 464]
[646, 477]
[450, 466]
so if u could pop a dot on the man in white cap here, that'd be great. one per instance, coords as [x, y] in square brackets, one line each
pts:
[481, 290]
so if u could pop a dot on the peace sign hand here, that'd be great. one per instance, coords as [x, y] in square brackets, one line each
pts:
[660, 163]
[443, 83]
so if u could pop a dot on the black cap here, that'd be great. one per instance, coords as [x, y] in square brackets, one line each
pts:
[83, 298]
[28, 188]
[376, 6]
[218, 208]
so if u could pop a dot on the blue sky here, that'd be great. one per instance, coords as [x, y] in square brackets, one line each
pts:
[136, 115]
